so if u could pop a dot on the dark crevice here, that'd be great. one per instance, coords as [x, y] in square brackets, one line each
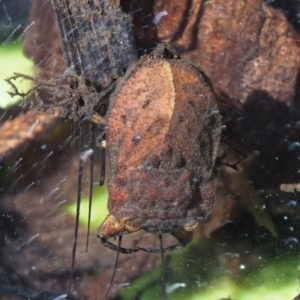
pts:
[126, 6]
[290, 8]
[296, 99]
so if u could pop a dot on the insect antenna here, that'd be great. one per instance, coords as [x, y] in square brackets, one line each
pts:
[102, 172]
[115, 267]
[80, 171]
[92, 147]
[162, 251]
[163, 279]
[102, 143]
[72, 134]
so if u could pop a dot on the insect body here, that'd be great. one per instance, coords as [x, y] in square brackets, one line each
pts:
[163, 135]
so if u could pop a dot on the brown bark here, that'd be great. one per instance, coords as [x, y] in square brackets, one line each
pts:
[97, 39]
[243, 46]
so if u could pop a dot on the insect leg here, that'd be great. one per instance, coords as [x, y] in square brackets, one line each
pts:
[100, 121]
[102, 159]
[183, 237]
[162, 252]
[104, 241]
[112, 228]
[163, 279]
[80, 171]
[92, 147]
[115, 267]
[72, 134]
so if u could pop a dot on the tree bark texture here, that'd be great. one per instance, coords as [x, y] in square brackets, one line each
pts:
[97, 39]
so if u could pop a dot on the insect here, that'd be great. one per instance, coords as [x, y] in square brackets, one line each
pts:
[163, 134]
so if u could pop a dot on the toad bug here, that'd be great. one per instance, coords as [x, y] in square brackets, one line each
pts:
[163, 135]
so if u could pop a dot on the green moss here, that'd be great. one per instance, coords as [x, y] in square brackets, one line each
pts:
[275, 280]
[13, 60]
[148, 286]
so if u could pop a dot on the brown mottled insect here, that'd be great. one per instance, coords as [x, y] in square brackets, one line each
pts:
[163, 135]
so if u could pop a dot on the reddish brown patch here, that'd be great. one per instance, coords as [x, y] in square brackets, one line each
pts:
[163, 135]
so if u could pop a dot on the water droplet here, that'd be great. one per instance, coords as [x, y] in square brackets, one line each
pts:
[290, 241]
[171, 288]
[292, 203]
[84, 155]
[294, 146]
[195, 180]
[158, 16]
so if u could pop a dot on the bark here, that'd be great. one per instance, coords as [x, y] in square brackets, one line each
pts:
[97, 39]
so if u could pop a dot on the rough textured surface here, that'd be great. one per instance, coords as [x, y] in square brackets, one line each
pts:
[163, 136]
[241, 45]
[19, 132]
[97, 39]
[180, 23]
[259, 43]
